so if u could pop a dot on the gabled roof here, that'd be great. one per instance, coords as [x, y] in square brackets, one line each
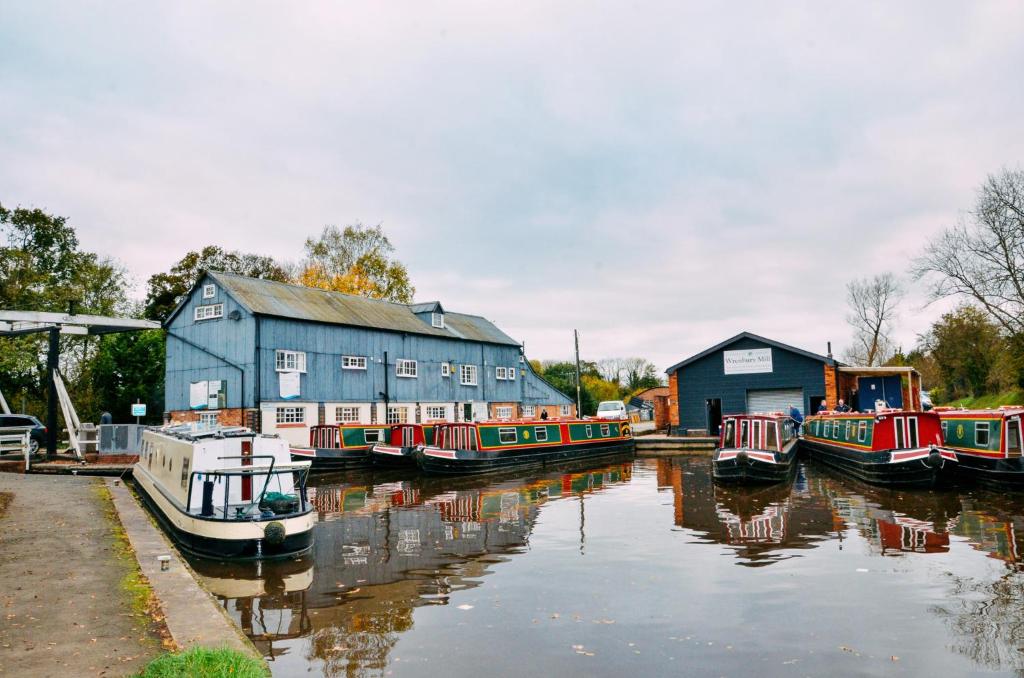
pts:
[281, 300]
[427, 307]
[750, 335]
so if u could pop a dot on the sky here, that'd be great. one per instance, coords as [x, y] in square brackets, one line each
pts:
[659, 176]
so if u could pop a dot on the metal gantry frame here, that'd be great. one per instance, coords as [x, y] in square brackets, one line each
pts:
[19, 323]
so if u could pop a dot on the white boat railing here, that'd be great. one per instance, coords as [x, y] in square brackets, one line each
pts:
[249, 471]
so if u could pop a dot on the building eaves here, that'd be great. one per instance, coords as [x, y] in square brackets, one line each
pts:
[750, 335]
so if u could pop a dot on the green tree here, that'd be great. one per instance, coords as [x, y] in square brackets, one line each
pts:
[165, 290]
[129, 367]
[966, 346]
[356, 260]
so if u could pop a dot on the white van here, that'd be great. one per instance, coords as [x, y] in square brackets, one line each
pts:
[611, 409]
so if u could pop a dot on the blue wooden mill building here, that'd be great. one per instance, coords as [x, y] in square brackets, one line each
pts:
[281, 358]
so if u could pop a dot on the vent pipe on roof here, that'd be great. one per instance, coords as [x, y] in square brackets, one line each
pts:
[829, 354]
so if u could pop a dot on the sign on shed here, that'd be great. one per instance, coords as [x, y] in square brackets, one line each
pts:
[750, 361]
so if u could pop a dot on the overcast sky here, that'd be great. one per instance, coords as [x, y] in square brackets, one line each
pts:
[659, 175]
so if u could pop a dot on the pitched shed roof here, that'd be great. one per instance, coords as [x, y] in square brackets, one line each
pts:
[266, 297]
[750, 335]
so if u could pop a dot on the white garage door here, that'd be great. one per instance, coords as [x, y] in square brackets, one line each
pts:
[775, 400]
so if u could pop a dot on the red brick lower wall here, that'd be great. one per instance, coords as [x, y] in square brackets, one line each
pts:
[673, 400]
[228, 417]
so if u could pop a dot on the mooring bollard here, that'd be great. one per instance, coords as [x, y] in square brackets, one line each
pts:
[165, 563]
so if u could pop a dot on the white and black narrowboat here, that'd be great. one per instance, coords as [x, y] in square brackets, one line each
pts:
[894, 447]
[491, 446]
[226, 492]
[986, 442]
[756, 449]
[341, 447]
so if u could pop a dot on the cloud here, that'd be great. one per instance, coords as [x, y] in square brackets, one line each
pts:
[658, 175]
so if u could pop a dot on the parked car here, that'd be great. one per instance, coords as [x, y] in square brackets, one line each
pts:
[611, 409]
[37, 431]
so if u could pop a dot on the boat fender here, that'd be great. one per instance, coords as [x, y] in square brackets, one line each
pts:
[741, 457]
[935, 458]
[274, 533]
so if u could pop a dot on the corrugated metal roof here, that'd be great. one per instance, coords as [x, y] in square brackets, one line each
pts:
[266, 297]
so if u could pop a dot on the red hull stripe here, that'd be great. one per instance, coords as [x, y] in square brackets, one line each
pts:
[386, 449]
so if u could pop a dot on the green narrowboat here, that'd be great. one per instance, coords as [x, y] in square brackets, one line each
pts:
[338, 447]
[486, 447]
[987, 442]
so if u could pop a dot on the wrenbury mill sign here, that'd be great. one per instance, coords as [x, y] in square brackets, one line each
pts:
[750, 361]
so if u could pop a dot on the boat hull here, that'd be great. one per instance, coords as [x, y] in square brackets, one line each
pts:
[931, 468]
[333, 459]
[998, 470]
[219, 538]
[392, 456]
[753, 467]
[463, 462]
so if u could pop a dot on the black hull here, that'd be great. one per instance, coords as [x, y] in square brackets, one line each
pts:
[751, 471]
[875, 468]
[293, 546]
[327, 459]
[999, 471]
[494, 462]
[406, 460]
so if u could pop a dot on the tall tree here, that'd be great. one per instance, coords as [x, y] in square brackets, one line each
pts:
[872, 303]
[356, 260]
[639, 374]
[982, 257]
[165, 290]
[966, 346]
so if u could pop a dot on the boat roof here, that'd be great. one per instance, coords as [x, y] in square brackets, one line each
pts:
[1004, 411]
[202, 432]
[760, 415]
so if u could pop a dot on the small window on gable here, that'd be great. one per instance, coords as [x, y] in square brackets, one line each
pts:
[209, 291]
[437, 320]
[446, 370]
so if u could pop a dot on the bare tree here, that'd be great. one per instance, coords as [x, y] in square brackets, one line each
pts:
[611, 369]
[982, 257]
[872, 304]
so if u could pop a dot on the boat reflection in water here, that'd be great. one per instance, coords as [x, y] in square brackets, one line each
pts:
[765, 525]
[381, 550]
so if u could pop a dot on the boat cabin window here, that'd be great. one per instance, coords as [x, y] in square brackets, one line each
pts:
[606, 430]
[981, 432]
[755, 435]
[184, 472]
[730, 433]
[372, 435]
[1013, 438]
[507, 435]
[912, 432]
[862, 431]
[744, 433]
[944, 426]
[897, 424]
[849, 430]
[835, 430]
[540, 434]
[771, 436]
[828, 429]
[590, 433]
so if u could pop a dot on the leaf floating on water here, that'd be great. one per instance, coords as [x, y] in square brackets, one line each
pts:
[465, 607]
[845, 648]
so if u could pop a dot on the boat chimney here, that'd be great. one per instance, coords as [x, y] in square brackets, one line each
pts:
[829, 354]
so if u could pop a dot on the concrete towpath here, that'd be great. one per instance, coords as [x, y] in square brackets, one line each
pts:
[63, 608]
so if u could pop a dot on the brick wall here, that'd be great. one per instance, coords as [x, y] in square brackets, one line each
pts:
[831, 390]
[661, 412]
[673, 401]
[229, 417]
[493, 412]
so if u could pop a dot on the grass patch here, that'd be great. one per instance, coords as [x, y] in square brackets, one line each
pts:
[989, 400]
[204, 662]
[5, 501]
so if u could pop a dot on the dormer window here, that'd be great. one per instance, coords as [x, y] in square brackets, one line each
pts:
[437, 320]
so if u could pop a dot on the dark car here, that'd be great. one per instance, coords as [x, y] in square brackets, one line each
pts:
[37, 430]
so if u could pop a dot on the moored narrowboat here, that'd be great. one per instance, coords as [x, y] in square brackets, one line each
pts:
[487, 447]
[987, 442]
[340, 447]
[895, 447]
[755, 449]
[226, 492]
[400, 449]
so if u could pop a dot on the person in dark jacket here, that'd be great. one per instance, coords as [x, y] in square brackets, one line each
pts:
[842, 407]
[823, 407]
[797, 417]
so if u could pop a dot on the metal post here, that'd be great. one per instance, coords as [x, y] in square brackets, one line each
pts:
[52, 363]
[579, 405]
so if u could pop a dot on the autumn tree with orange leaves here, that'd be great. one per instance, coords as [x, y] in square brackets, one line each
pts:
[355, 260]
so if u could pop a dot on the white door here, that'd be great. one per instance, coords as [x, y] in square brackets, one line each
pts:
[775, 400]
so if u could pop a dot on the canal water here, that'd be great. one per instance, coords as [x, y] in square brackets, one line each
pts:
[639, 567]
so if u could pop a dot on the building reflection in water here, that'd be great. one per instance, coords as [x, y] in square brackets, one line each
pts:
[383, 549]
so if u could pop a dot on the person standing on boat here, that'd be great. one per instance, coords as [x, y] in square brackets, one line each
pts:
[823, 407]
[797, 417]
[842, 407]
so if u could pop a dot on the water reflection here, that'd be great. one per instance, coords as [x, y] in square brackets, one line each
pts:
[943, 567]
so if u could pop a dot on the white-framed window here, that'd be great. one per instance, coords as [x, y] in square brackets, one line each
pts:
[828, 429]
[208, 418]
[606, 430]
[446, 370]
[503, 412]
[529, 410]
[290, 415]
[499, 373]
[209, 311]
[565, 410]
[862, 431]
[346, 414]
[981, 434]
[467, 375]
[398, 414]
[507, 435]
[289, 361]
[405, 368]
[372, 435]
[353, 362]
[590, 431]
[435, 412]
[540, 434]
[437, 320]
[209, 291]
[511, 374]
